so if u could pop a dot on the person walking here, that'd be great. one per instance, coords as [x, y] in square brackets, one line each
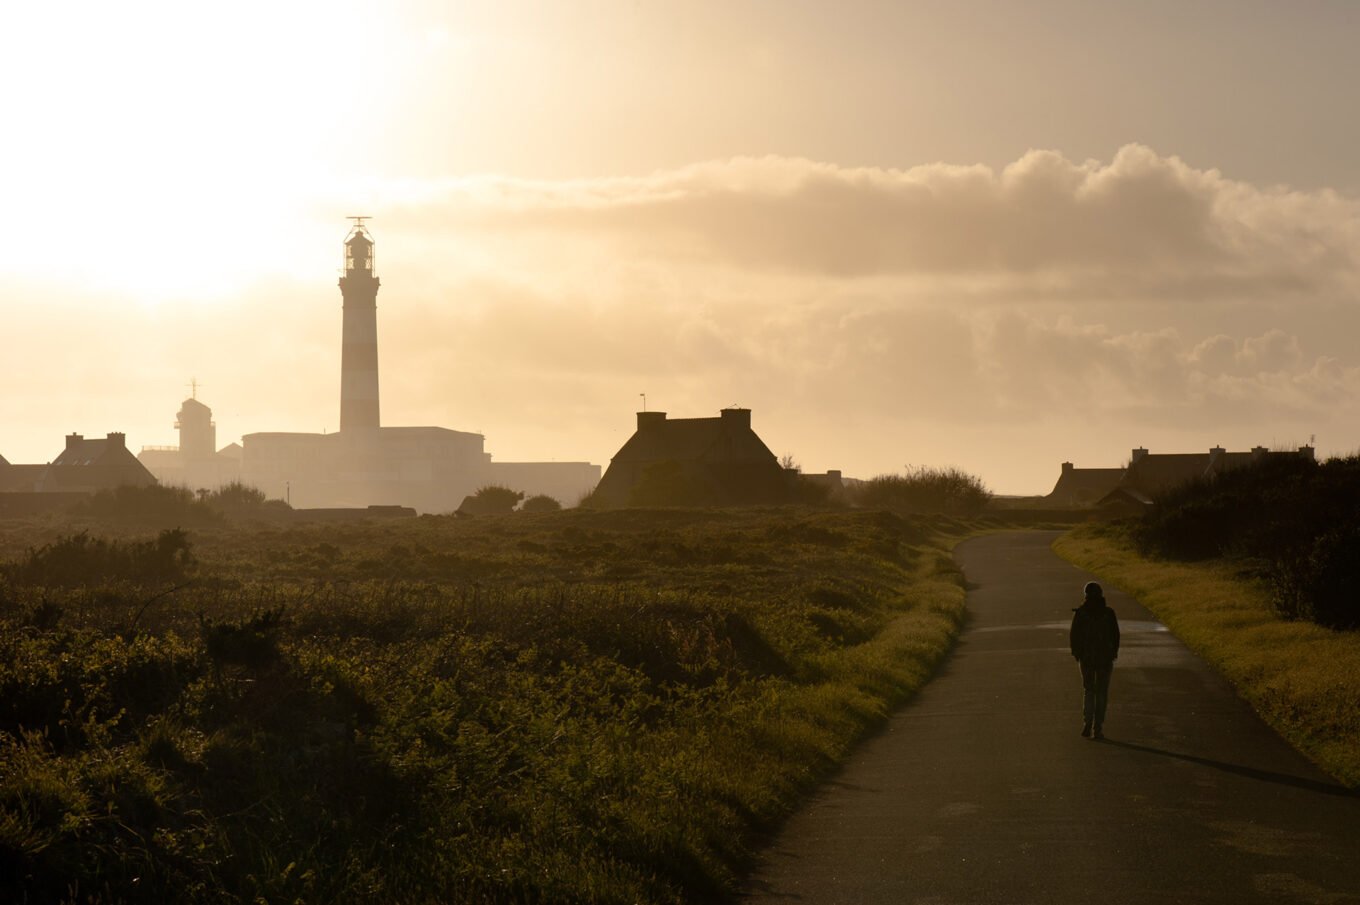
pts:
[1095, 645]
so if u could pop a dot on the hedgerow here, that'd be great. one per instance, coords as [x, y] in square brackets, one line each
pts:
[1292, 520]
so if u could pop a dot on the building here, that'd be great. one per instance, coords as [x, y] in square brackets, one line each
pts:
[87, 466]
[19, 478]
[693, 462]
[83, 467]
[1149, 474]
[196, 462]
[1083, 486]
[430, 469]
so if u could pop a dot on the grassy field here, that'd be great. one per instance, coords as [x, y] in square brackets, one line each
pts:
[565, 707]
[1302, 678]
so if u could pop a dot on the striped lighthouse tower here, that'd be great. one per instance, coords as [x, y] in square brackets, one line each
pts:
[359, 343]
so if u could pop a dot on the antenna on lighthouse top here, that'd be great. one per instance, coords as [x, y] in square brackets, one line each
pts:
[358, 229]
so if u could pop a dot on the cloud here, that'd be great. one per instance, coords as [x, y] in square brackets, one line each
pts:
[1142, 225]
[1006, 320]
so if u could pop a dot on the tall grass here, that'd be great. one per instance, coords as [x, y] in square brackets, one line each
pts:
[569, 706]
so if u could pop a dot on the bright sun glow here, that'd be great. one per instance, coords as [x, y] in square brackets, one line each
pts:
[206, 136]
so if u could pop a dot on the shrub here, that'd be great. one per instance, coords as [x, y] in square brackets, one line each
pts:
[492, 499]
[235, 498]
[541, 503]
[1247, 511]
[79, 559]
[1291, 518]
[925, 491]
[1319, 582]
[251, 642]
[155, 503]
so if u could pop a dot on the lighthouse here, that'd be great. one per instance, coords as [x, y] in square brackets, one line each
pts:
[359, 342]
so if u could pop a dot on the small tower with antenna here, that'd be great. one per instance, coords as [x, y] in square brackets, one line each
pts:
[197, 432]
[359, 341]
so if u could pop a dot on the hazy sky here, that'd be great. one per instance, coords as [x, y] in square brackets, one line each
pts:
[995, 235]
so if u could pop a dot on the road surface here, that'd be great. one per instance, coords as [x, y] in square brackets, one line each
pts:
[981, 790]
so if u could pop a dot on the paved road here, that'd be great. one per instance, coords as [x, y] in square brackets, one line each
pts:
[982, 790]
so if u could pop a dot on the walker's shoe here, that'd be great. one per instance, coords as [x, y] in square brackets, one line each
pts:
[1085, 730]
[1099, 735]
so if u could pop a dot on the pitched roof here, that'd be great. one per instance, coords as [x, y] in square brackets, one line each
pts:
[1151, 474]
[691, 439]
[1079, 485]
[721, 455]
[94, 464]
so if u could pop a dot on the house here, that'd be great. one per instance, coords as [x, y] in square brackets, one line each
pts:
[693, 462]
[830, 487]
[86, 466]
[1083, 486]
[1151, 474]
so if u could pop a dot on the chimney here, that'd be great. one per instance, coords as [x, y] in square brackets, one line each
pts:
[735, 417]
[1137, 454]
[73, 439]
[117, 439]
[1258, 452]
[1067, 466]
[1214, 453]
[650, 419]
[1307, 452]
[834, 473]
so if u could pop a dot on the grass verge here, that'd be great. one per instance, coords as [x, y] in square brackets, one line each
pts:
[1301, 678]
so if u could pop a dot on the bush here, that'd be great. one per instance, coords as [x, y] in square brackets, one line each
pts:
[925, 491]
[1290, 518]
[1319, 582]
[1246, 511]
[541, 503]
[492, 499]
[235, 498]
[79, 559]
[155, 503]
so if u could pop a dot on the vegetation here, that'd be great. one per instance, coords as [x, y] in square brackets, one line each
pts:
[572, 706]
[945, 491]
[1293, 521]
[1302, 678]
[178, 506]
[79, 560]
[493, 499]
[540, 503]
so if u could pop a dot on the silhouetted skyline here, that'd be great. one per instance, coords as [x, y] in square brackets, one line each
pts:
[980, 234]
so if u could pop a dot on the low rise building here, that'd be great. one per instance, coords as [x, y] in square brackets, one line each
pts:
[693, 462]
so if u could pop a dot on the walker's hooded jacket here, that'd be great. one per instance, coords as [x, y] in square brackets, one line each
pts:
[1095, 633]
